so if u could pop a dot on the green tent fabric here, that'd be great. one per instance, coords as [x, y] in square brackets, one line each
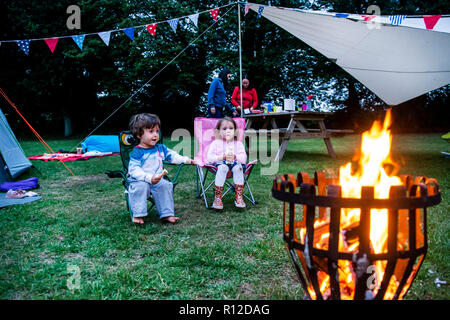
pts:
[13, 161]
[446, 137]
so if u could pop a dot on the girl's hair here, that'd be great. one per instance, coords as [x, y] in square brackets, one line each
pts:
[249, 82]
[222, 120]
[142, 121]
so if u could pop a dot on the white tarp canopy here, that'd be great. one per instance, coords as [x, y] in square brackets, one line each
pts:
[396, 62]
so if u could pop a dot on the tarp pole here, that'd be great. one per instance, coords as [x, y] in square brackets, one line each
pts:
[240, 57]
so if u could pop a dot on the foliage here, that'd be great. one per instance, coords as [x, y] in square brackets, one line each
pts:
[88, 86]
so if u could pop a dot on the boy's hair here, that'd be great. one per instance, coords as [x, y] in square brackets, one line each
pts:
[219, 123]
[142, 121]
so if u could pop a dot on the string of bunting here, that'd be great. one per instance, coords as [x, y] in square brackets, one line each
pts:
[105, 36]
[429, 21]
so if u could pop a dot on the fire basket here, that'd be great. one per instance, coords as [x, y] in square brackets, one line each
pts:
[340, 258]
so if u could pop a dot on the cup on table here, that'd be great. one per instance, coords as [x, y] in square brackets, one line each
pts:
[79, 150]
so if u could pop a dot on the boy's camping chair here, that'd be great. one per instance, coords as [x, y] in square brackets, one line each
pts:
[204, 133]
[127, 142]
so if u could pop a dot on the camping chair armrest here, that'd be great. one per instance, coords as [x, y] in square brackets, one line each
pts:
[116, 174]
[174, 179]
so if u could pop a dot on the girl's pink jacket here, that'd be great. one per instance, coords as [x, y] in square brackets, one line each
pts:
[219, 147]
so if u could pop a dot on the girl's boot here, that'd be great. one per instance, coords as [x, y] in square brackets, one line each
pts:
[217, 204]
[239, 203]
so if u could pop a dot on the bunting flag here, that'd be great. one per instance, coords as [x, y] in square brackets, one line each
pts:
[174, 24]
[214, 13]
[430, 21]
[151, 28]
[24, 45]
[129, 32]
[194, 18]
[105, 36]
[419, 22]
[397, 19]
[246, 8]
[260, 11]
[79, 40]
[368, 18]
[51, 43]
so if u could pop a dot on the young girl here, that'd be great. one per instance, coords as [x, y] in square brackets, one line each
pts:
[226, 153]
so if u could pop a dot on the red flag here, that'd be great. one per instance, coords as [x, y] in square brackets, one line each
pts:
[51, 43]
[152, 28]
[214, 13]
[368, 18]
[430, 21]
[246, 8]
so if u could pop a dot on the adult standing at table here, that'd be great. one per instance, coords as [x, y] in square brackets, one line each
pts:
[217, 95]
[249, 97]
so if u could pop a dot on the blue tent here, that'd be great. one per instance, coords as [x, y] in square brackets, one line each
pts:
[13, 161]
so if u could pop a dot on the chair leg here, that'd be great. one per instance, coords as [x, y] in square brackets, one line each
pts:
[128, 205]
[196, 179]
[252, 200]
[230, 188]
[202, 186]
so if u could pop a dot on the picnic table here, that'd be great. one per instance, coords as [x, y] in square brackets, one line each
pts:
[295, 129]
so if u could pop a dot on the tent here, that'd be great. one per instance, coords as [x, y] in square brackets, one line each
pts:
[13, 161]
[396, 57]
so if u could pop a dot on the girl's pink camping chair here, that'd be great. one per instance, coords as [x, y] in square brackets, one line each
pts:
[204, 133]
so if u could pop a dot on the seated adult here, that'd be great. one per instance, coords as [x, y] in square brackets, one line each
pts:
[249, 97]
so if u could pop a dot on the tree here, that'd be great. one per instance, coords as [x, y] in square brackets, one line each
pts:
[169, 74]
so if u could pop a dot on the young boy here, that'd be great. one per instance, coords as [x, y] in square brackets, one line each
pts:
[146, 170]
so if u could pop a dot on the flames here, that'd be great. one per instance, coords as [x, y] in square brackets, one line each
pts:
[374, 169]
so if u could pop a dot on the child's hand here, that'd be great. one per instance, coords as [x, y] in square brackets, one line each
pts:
[229, 157]
[156, 178]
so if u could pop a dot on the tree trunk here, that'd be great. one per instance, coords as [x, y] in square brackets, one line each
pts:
[67, 126]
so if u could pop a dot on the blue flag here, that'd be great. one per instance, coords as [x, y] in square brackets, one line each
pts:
[174, 24]
[129, 32]
[397, 20]
[24, 45]
[260, 11]
[105, 36]
[79, 40]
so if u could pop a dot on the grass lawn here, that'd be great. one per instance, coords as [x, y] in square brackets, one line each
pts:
[83, 222]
